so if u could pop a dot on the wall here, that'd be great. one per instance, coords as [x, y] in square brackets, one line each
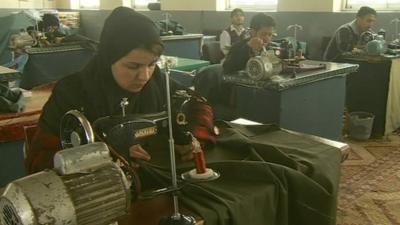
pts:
[305, 5]
[38, 4]
[92, 21]
[106, 4]
[190, 5]
[9, 4]
[314, 16]
[316, 24]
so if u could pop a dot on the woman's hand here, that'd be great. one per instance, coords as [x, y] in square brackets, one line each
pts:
[185, 152]
[137, 152]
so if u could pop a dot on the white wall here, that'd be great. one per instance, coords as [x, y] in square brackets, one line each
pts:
[38, 4]
[283, 5]
[9, 4]
[63, 4]
[107, 4]
[189, 5]
[305, 5]
[49, 4]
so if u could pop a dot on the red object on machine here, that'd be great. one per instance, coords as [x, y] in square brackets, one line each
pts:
[199, 157]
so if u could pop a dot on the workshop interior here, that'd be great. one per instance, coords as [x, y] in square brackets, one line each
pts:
[220, 112]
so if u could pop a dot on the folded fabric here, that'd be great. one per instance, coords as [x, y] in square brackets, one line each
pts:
[268, 176]
[11, 100]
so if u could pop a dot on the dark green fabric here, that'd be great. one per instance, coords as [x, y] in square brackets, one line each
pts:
[268, 176]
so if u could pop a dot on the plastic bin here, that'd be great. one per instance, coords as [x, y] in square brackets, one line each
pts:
[360, 125]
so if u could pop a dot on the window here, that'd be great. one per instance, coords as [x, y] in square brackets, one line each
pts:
[376, 4]
[142, 4]
[89, 4]
[252, 4]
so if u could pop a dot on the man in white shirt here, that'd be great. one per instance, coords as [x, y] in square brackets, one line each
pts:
[235, 32]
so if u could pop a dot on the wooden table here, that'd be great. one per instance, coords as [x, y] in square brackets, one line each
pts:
[150, 212]
[7, 74]
[11, 124]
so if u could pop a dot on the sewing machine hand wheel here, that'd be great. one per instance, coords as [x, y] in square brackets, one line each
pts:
[75, 130]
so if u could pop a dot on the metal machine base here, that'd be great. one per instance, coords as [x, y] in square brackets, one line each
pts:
[178, 220]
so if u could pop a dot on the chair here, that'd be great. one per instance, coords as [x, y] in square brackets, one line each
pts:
[212, 32]
[209, 83]
[212, 52]
[324, 44]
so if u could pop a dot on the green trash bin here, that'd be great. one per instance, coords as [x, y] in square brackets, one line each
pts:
[360, 125]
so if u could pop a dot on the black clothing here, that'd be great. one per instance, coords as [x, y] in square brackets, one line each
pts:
[268, 177]
[94, 89]
[95, 92]
[99, 96]
[123, 31]
[344, 40]
[237, 57]
[48, 20]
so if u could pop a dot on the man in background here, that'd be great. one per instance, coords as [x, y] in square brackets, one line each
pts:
[262, 29]
[235, 32]
[346, 37]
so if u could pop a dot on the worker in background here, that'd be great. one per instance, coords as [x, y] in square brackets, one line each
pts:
[346, 37]
[235, 32]
[261, 31]
[50, 25]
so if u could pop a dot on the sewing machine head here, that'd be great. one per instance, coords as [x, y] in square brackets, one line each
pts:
[123, 131]
[366, 37]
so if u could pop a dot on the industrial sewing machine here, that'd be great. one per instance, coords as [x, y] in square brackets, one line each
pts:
[372, 43]
[273, 62]
[86, 186]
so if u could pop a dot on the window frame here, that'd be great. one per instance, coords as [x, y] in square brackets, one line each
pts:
[135, 6]
[381, 7]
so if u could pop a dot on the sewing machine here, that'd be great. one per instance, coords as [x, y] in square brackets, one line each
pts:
[85, 187]
[269, 64]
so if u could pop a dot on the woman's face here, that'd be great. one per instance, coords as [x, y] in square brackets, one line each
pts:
[135, 69]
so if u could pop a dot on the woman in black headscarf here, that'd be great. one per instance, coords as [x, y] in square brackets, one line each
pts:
[125, 67]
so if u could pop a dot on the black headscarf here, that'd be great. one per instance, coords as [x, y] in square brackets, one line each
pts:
[94, 90]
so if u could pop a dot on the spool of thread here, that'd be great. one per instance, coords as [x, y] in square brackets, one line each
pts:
[201, 172]
[198, 157]
[200, 162]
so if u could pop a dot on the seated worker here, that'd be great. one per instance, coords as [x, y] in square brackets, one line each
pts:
[261, 32]
[235, 32]
[124, 67]
[50, 25]
[347, 36]
[268, 176]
